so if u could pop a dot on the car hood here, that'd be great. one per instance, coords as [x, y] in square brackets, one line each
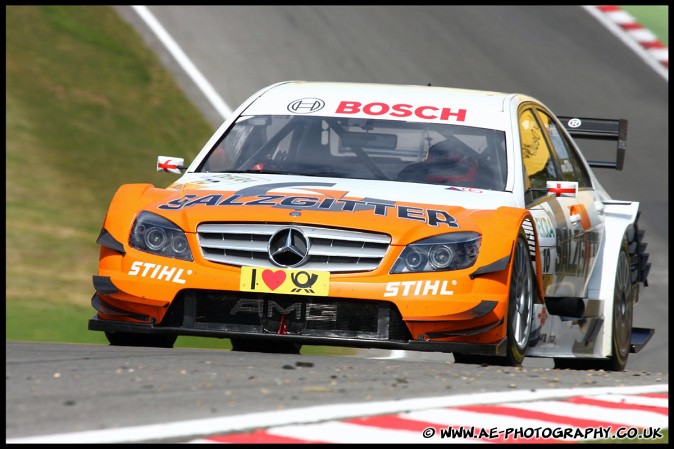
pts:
[389, 207]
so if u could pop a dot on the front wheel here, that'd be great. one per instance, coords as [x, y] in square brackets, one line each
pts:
[520, 303]
[520, 311]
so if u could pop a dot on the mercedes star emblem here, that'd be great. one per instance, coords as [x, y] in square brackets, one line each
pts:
[288, 247]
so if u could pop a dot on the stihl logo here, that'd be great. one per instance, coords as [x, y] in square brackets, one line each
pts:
[160, 272]
[402, 110]
[418, 288]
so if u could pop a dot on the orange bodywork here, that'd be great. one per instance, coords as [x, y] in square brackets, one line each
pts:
[431, 304]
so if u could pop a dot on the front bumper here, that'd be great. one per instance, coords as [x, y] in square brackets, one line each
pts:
[290, 319]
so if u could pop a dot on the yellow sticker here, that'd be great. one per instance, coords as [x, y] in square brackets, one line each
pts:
[278, 280]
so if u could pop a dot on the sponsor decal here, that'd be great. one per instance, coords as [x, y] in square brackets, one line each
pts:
[296, 282]
[547, 260]
[566, 166]
[222, 177]
[464, 189]
[576, 249]
[215, 178]
[574, 123]
[418, 288]
[306, 105]
[268, 308]
[401, 111]
[258, 196]
[159, 272]
[542, 315]
[544, 227]
[579, 212]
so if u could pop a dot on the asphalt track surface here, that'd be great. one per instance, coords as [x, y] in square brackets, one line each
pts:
[559, 54]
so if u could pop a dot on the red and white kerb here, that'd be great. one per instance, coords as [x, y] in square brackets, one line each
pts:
[644, 37]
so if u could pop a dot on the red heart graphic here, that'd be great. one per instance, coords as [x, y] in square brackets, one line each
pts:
[273, 278]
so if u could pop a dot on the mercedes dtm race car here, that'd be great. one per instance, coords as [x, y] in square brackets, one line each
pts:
[382, 216]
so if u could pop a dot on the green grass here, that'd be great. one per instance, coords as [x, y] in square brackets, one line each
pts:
[653, 17]
[88, 108]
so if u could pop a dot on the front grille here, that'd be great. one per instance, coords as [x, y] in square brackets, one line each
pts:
[334, 250]
[242, 312]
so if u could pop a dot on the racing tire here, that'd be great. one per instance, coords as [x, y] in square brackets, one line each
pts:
[520, 311]
[520, 303]
[243, 345]
[621, 329]
[131, 339]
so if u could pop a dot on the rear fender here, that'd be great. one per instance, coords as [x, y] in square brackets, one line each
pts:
[620, 216]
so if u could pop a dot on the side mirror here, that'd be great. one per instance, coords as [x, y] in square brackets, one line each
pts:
[170, 164]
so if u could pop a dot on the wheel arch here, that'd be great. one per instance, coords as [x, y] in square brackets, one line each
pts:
[500, 229]
[619, 218]
[127, 200]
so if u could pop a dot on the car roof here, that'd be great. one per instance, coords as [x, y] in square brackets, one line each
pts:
[386, 101]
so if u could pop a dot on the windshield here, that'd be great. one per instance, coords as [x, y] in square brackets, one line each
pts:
[430, 153]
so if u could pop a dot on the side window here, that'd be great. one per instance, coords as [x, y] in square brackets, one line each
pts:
[538, 161]
[572, 169]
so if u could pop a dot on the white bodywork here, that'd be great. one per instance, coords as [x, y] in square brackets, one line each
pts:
[559, 336]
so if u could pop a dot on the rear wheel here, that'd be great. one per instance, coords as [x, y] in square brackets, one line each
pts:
[131, 339]
[520, 311]
[623, 312]
[621, 329]
[265, 346]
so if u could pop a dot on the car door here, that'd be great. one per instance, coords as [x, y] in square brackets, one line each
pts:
[564, 206]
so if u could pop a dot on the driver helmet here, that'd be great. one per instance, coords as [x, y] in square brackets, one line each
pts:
[449, 164]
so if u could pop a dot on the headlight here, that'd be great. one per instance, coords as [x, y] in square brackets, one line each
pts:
[157, 235]
[446, 252]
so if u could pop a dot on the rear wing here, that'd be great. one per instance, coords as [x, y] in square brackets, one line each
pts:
[603, 129]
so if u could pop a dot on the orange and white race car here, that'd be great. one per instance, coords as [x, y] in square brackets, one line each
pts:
[382, 216]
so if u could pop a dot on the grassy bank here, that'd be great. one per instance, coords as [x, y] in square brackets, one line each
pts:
[88, 107]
